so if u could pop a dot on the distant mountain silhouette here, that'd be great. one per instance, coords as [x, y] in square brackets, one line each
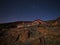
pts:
[35, 22]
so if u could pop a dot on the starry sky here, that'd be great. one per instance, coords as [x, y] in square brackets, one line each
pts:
[24, 10]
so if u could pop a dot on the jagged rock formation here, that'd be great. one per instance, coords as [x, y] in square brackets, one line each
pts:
[21, 36]
[55, 22]
[36, 32]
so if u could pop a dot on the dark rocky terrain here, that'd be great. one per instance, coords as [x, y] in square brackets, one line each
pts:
[36, 32]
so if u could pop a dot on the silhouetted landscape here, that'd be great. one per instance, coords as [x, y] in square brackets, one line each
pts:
[35, 32]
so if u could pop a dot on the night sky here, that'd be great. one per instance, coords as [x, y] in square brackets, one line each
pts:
[24, 10]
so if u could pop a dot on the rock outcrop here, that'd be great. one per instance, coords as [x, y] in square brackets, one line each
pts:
[36, 32]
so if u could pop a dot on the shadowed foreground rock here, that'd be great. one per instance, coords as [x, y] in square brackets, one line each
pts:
[24, 36]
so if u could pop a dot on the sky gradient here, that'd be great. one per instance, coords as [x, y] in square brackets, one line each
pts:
[17, 10]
